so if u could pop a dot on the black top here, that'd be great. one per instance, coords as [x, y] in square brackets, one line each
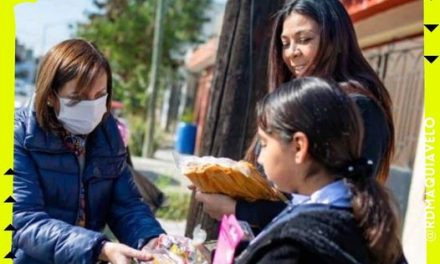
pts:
[259, 213]
[315, 234]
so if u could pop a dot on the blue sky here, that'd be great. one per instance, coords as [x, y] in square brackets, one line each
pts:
[43, 24]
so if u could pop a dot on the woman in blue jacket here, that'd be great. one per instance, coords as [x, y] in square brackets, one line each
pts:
[71, 176]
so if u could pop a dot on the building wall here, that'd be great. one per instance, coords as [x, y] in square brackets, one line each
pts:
[201, 103]
[393, 44]
[414, 232]
[393, 24]
[400, 66]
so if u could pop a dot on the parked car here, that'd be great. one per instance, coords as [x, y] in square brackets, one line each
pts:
[23, 93]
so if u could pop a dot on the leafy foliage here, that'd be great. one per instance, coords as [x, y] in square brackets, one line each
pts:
[124, 29]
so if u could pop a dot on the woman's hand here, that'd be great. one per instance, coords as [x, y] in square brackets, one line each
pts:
[117, 253]
[216, 205]
[150, 245]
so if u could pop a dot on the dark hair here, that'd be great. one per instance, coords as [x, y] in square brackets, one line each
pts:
[330, 120]
[70, 59]
[339, 58]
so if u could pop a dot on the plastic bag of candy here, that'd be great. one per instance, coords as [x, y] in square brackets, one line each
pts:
[171, 249]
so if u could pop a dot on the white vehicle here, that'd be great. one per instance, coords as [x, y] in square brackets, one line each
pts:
[23, 93]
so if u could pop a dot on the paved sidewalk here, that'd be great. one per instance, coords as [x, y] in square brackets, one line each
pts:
[162, 165]
[173, 227]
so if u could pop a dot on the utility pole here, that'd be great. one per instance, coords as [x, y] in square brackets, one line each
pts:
[240, 80]
[151, 94]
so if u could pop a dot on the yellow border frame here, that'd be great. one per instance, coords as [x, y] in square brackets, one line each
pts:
[7, 76]
[432, 127]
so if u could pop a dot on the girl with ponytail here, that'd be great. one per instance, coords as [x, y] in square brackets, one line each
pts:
[311, 143]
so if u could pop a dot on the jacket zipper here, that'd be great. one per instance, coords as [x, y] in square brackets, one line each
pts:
[79, 188]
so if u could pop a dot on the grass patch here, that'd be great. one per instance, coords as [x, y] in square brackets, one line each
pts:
[164, 181]
[176, 206]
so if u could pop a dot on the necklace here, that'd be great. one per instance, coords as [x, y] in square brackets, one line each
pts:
[74, 143]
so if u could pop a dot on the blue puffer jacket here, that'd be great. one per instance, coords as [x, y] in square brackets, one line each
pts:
[46, 190]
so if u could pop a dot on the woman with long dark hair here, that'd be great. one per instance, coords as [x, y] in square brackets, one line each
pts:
[337, 57]
[311, 146]
[317, 38]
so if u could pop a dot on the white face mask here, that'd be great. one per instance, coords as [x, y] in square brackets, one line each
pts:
[83, 117]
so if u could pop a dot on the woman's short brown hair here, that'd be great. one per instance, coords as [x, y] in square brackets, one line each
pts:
[70, 59]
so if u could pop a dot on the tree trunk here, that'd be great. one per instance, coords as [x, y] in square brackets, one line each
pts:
[148, 144]
[240, 80]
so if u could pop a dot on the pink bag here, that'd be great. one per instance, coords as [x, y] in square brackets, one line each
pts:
[230, 235]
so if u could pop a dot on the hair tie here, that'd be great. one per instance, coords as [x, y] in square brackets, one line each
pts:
[360, 168]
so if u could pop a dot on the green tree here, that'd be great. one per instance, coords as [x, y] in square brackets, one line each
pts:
[124, 29]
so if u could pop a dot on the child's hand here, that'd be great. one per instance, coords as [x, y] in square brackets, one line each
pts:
[216, 205]
[117, 253]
